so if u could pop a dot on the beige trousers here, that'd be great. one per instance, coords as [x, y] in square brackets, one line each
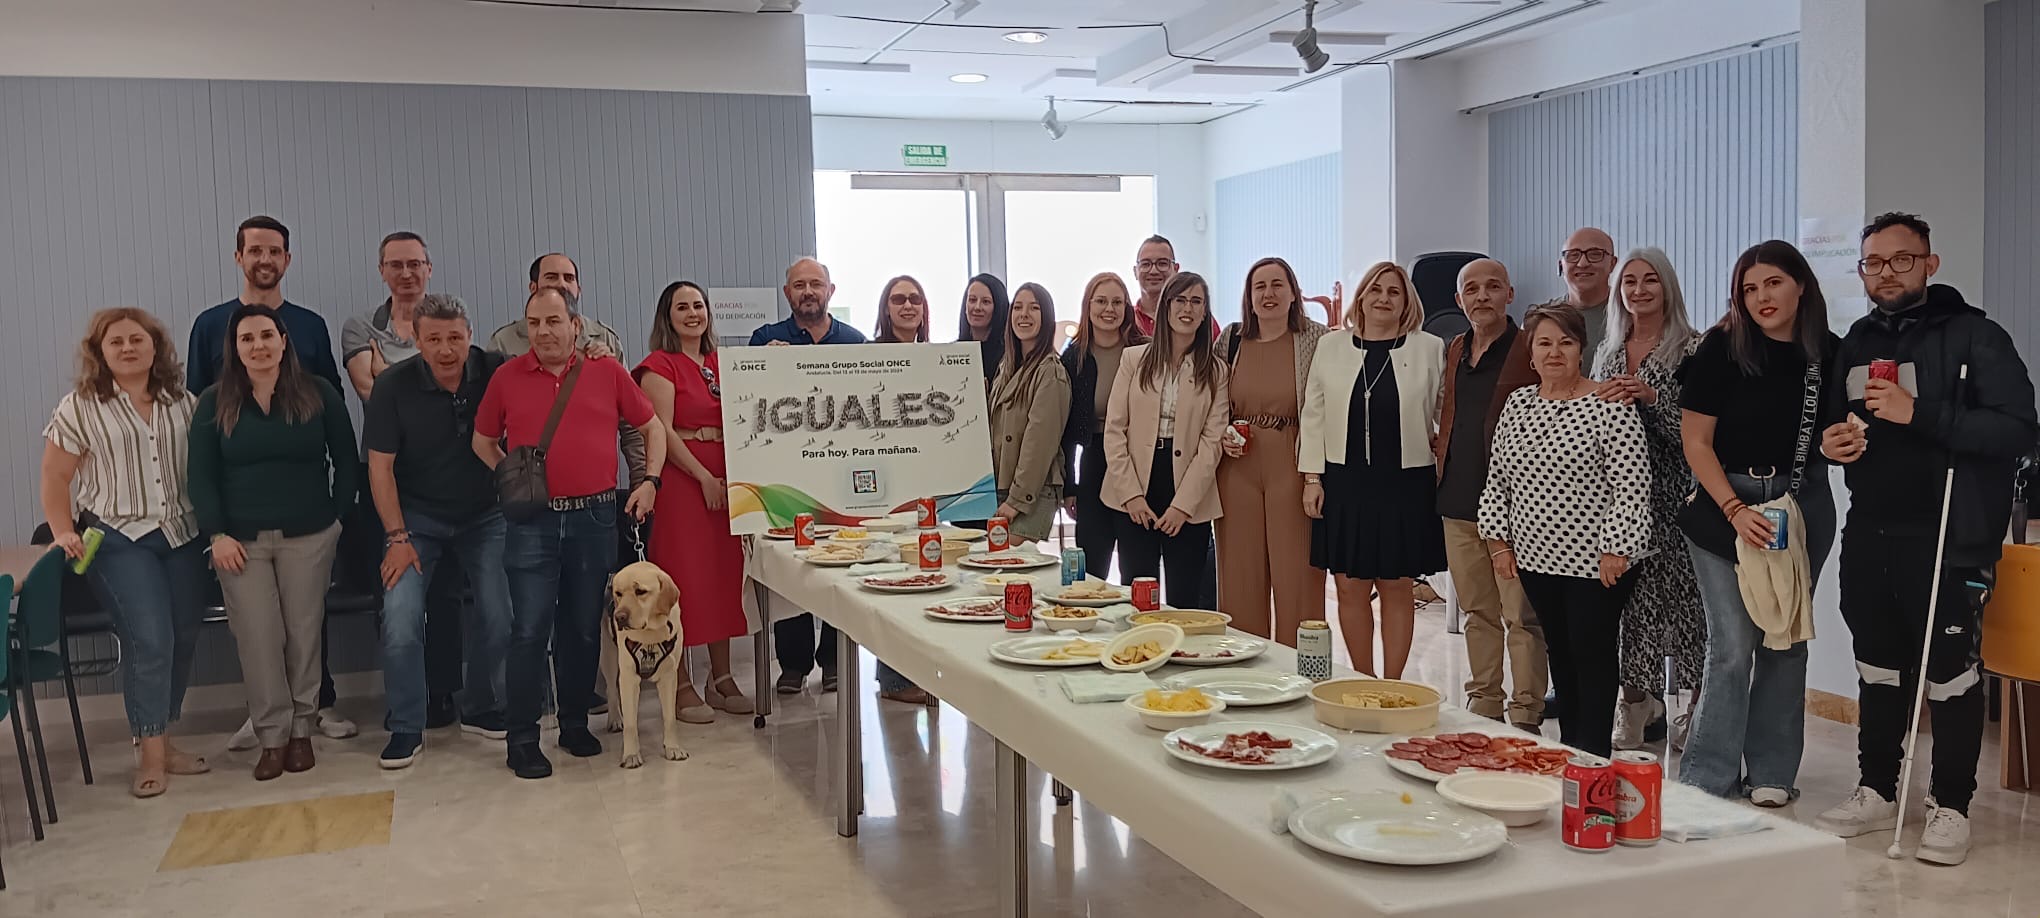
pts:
[276, 607]
[1497, 617]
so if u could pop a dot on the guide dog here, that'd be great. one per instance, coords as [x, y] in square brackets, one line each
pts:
[649, 645]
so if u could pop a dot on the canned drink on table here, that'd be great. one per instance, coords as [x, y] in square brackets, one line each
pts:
[1639, 799]
[1246, 432]
[930, 550]
[1590, 804]
[925, 512]
[803, 530]
[997, 534]
[1019, 606]
[1778, 519]
[1884, 369]
[1314, 650]
[1147, 594]
[1072, 565]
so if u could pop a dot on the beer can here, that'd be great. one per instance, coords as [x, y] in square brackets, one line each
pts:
[1314, 650]
[1246, 432]
[1778, 519]
[1147, 594]
[930, 550]
[1884, 369]
[997, 536]
[1072, 566]
[1020, 606]
[92, 537]
[1589, 820]
[803, 530]
[925, 510]
[1639, 799]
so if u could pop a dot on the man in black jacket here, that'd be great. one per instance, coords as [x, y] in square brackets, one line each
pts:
[1960, 398]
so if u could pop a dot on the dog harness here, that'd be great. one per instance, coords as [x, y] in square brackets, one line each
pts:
[649, 656]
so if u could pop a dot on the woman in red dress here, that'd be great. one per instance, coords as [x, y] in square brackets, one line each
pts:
[691, 537]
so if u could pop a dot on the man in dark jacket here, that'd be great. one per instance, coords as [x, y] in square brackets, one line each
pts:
[1931, 384]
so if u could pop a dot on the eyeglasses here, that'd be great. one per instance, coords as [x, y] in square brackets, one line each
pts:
[714, 388]
[1590, 256]
[902, 299]
[412, 265]
[1154, 264]
[1901, 263]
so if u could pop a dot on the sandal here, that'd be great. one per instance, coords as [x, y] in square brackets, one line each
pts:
[178, 762]
[732, 702]
[146, 785]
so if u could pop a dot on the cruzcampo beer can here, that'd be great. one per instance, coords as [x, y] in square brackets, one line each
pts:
[925, 512]
[803, 530]
[1147, 594]
[1246, 432]
[1639, 799]
[930, 550]
[1314, 650]
[1778, 519]
[1588, 823]
[1884, 369]
[1020, 605]
[998, 533]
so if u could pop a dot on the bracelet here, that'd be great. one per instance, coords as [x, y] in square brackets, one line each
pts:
[393, 533]
[1733, 507]
[400, 540]
[1312, 479]
[1496, 554]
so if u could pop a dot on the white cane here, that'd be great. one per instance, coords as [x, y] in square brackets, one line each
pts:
[1912, 733]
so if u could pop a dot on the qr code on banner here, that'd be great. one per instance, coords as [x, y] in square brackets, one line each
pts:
[864, 481]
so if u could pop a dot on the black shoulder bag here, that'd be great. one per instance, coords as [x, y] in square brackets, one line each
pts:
[1702, 521]
[520, 477]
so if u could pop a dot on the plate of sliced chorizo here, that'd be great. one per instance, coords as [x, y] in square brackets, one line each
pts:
[1433, 757]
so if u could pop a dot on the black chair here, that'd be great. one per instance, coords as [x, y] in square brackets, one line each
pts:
[1436, 277]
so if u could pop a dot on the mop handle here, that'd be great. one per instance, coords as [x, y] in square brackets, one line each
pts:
[1912, 733]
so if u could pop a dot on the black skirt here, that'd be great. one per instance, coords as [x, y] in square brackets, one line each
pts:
[1379, 523]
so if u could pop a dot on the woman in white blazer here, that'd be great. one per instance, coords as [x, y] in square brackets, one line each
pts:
[1162, 429]
[1368, 471]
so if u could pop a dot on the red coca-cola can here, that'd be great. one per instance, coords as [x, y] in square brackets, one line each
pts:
[1246, 432]
[1884, 369]
[1589, 819]
[930, 550]
[1639, 799]
[803, 530]
[926, 508]
[1147, 594]
[1020, 606]
[998, 535]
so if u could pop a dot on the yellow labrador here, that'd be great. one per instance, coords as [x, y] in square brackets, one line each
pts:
[649, 645]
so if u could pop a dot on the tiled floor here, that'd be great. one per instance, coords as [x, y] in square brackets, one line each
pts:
[738, 829]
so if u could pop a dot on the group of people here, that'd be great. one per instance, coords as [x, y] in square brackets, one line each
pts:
[1604, 484]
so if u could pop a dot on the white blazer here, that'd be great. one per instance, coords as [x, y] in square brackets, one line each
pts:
[1419, 367]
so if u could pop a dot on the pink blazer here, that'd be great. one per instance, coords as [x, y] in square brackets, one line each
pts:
[1132, 422]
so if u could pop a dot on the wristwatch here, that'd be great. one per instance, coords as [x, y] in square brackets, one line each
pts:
[657, 482]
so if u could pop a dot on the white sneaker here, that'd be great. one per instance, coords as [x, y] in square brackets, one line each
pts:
[1946, 840]
[1864, 812]
[1770, 798]
[244, 738]
[335, 726]
[1631, 717]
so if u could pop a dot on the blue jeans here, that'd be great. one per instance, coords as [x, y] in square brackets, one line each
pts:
[478, 546]
[558, 565]
[156, 595]
[1752, 710]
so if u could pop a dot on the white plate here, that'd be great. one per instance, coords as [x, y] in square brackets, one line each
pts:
[1032, 560]
[803, 555]
[889, 524]
[964, 533]
[1516, 800]
[842, 536]
[1418, 771]
[1312, 747]
[1168, 637]
[1208, 646]
[1027, 651]
[870, 583]
[1123, 595]
[1381, 828]
[821, 530]
[1243, 688]
[998, 607]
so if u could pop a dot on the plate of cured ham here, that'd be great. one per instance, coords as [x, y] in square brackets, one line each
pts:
[1251, 746]
[1431, 758]
[907, 583]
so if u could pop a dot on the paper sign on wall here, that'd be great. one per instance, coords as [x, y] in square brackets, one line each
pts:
[852, 431]
[740, 310]
[1831, 246]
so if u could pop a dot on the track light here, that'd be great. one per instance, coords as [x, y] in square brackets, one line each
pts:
[1314, 57]
[1056, 129]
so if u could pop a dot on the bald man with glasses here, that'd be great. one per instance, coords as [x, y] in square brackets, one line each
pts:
[1587, 262]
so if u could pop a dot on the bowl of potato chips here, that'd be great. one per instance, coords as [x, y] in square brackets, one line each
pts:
[1161, 709]
[1142, 648]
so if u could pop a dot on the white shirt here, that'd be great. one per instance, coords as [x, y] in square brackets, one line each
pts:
[133, 474]
[1568, 481]
[1167, 430]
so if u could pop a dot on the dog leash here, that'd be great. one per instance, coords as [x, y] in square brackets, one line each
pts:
[637, 540]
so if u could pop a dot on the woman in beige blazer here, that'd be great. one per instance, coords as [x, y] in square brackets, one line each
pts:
[1030, 402]
[1162, 430]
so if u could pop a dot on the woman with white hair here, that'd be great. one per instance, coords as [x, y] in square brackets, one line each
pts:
[1649, 337]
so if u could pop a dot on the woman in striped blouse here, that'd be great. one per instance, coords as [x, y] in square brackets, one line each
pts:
[117, 442]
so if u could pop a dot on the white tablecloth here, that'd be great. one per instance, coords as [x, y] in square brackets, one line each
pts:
[1216, 822]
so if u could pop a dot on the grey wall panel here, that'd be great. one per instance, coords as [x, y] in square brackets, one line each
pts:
[118, 192]
[1701, 161]
[1291, 210]
[2011, 168]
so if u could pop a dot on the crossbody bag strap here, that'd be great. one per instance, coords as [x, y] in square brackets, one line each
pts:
[1809, 417]
[552, 421]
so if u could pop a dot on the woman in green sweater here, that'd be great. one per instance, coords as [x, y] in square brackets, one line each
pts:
[273, 469]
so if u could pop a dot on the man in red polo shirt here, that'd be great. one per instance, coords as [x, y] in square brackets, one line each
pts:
[559, 561]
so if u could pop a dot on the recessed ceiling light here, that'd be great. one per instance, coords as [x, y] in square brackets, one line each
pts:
[1027, 38]
[967, 78]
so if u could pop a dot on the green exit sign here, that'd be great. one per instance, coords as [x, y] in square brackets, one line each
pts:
[925, 154]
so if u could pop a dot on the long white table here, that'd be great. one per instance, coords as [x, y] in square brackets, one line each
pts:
[1216, 822]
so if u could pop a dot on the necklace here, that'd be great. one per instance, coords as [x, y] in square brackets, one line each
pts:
[1368, 382]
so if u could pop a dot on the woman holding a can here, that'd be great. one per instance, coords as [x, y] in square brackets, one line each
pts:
[1104, 331]
[902, 319]
[1264, 537]
[1030, 402]
[1567, 509]
[1745, 397]
[1369, 478]
[1162, 431]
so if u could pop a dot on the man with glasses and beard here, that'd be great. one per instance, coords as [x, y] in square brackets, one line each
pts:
[1587, 261]
[808, 291]
[1930, 384]
[262, 251]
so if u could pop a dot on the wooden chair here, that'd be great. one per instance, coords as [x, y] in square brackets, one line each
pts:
[2011, 651]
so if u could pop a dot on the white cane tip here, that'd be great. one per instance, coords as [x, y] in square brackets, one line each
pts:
[1893, 852]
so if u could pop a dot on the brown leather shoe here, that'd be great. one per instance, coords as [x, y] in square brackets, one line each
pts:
[297, 756]
[269, 765]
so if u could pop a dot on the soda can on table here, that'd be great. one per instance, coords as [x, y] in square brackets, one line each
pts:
[1639, 799]
[1314, 650]
[998, 534]
[803, 530]
[1072, 565]
[924, 512]
[1019, 606]
[1246, 432]
[1147, 594]
[1588, 823]
[930, 550]
[1884, 369]
[1778, 519]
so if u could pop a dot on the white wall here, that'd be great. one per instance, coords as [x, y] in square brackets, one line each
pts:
[415, 41]
[1367, 170]
[1441, 163]
[1287, 128]
[1652, 34]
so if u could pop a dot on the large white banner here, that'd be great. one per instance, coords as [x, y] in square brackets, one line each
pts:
[852, 431]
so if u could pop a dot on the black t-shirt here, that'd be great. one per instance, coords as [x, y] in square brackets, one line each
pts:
[430, 431]
[1757, 417]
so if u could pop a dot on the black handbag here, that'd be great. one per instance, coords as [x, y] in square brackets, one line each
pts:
[1704, 523]
[520, 477]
